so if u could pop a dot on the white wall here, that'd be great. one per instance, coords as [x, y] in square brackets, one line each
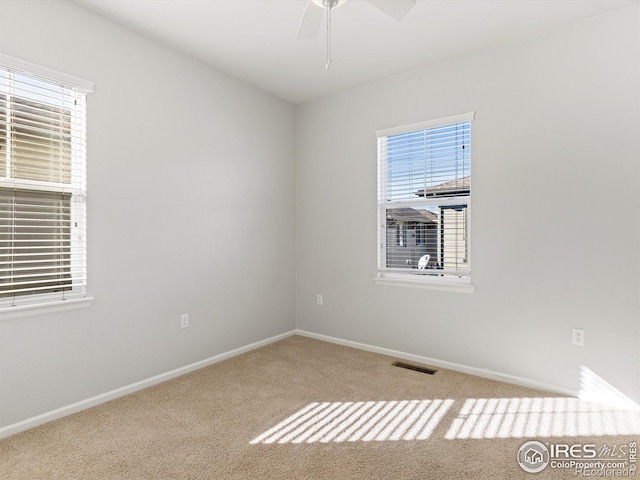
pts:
[556, 211]
[190, 209]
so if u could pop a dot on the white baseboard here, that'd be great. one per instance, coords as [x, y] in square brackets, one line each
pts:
[134, 387]
[479, 372]
[163, 377]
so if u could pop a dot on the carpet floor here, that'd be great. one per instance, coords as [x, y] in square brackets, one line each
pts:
[306, 409]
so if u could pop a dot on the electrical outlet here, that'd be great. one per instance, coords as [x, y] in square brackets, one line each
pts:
[578, 337]
[184, 320]
[319, 299]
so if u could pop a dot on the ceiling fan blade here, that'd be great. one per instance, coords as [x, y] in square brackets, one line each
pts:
[394, 8]
[311, 21]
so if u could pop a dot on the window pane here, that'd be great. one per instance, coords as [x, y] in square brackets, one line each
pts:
[35, 242]
[437, 231]
[428, 163]
[41, 142]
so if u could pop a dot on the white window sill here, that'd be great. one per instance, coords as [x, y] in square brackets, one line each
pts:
[8, 313]
[440, 286]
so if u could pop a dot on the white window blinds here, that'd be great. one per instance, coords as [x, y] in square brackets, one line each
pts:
[42, 188]
[424, 200]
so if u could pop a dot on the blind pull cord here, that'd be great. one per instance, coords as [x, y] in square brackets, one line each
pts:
[328, 39]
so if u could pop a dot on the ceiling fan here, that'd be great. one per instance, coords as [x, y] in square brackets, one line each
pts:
[312, 17]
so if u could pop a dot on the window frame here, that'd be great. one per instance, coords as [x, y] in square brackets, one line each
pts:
[406, 277]
[76, 297]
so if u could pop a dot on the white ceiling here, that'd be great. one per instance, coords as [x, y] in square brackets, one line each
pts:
[254, 39]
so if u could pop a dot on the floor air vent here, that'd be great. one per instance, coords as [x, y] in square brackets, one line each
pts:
[415, 368]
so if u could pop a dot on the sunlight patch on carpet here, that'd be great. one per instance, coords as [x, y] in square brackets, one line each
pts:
[540, 417]
[359, 421]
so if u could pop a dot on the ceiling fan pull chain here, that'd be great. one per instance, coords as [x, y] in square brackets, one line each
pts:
[328, 39]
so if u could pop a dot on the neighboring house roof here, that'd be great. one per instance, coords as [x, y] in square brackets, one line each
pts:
[411, 215]
[458, 186]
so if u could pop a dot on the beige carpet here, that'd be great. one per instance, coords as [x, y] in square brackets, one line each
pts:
[306, 409]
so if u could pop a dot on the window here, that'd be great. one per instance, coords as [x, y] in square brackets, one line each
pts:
[424, 201]
[42, 186]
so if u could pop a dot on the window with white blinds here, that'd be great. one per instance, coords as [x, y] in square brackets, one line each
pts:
[424, 200]
[42, 188]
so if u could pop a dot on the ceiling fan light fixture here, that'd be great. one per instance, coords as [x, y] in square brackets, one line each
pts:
[328, 4]
[314, 12]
